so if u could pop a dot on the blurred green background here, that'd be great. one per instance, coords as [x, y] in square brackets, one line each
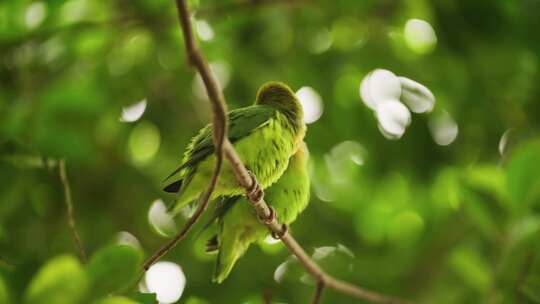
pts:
[451, 220]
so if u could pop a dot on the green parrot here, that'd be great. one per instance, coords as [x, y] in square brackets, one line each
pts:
[238, 223]
[265, 135]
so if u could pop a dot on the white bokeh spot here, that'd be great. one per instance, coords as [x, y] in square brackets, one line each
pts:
[420, 36]
[444, 129]
[393, 118]
[160, 219]
[204, 30]
[379, 85]
[166, 280]
[311, 103]
[35, 14]
[416, 96]
[133, 112]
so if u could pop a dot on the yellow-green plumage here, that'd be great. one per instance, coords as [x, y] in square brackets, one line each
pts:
[265, 135]
[238, 222]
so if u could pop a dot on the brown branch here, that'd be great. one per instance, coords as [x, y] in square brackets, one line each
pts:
[70, 211]
[267, 296]
[219, 122]
[244, 178]
[318, 292]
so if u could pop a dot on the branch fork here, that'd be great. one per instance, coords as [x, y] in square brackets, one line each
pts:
[246, 179]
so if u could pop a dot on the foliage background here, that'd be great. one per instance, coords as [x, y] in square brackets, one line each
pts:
[437, 224]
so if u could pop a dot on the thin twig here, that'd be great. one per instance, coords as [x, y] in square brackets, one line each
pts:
[267, 296]
[244, 179]
[219, 121]
[70, 210]
[318, 292]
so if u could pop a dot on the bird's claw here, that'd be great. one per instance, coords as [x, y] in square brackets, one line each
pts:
[255, 193]
[270, 218]
[279, 235]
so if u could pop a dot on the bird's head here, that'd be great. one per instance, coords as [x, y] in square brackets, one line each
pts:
[275, 93]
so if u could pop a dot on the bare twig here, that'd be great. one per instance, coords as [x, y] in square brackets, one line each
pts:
[70, 211]
[318, 292]
[223, 145]
[267, 296]
[220, 129]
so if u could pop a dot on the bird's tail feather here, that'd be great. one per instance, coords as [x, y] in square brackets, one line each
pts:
[173, 187]
[229, 252]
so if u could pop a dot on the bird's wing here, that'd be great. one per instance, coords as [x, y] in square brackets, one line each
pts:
[222, 207]
[241, 123]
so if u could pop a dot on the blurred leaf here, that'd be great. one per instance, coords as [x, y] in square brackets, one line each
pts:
[479, 212]
[489, 178]
[114, 268]
[196, 300]
[116, 300]
[523, 176]
[446, 192]
[144, 298]
[471, 268]
[61, 281]
[4, 294]
[531, 289]
[288, 271]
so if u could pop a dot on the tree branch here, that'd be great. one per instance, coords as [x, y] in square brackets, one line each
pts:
[318, 293]
[219, 122]
[70, 211]
[223, 145]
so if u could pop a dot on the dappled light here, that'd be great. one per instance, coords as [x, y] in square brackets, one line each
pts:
[311, 103]
[420, 36]
[444, 129]
[35, 14]
[396, 143]
[393, 118]
[166, 280]
[133, 112]
[144, 142]
[160, 219]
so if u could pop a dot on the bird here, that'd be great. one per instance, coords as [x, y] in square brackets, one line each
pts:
[238, 223]
[265, 135]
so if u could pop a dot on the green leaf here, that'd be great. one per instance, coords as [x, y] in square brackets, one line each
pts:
[144, 298]
[114, 268]
[487, 178]
[116, 300]
[531, 289]
[196, 300]
[61, 281]
[471, 268]
[4, 294]
[522, 174]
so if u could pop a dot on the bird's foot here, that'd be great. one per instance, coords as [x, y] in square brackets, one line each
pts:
[279, 235]
[270, 218]
[255, 193]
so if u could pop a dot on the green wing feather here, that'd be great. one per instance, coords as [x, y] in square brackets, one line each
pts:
[222, 206]
[242, 122]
